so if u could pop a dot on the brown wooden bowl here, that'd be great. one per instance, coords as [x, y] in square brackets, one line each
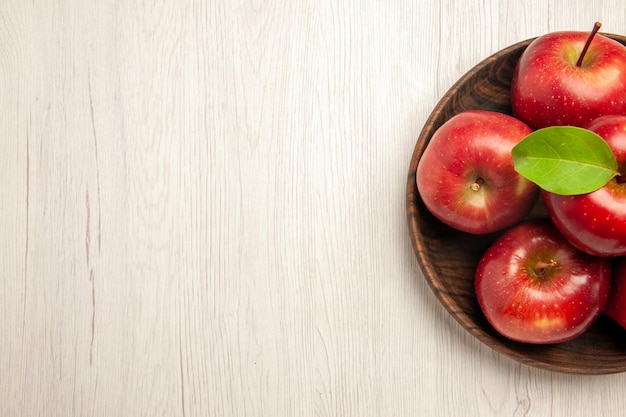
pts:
[448, 258]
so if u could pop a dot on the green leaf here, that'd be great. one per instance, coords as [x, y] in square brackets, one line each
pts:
[565, 160]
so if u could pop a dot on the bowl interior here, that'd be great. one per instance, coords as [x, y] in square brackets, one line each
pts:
[448, 258]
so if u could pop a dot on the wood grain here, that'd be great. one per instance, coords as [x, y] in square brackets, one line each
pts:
[203, 210]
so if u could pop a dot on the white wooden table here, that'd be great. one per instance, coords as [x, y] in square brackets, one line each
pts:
[203, 210]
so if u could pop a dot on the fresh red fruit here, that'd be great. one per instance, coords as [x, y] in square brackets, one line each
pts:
[596, 222]
[466, 177]
[550, 89]
[533, 286]
[616, 306]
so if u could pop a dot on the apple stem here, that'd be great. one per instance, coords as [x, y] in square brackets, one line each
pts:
[596, 28]
[541, 267]
[477, 184]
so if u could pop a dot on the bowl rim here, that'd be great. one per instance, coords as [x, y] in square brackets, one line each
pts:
[412, 213]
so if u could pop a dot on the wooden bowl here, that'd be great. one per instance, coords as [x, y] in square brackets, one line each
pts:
[448, 258]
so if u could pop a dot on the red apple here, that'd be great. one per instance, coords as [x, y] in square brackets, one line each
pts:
[533, 286]
[550, 88]
[616, 306]
[596, 222]
[466, 177]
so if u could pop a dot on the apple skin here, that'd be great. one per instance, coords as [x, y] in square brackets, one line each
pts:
[616, 306]
[526, 307]
[548, 89]
[596, 222]
[475, 145]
